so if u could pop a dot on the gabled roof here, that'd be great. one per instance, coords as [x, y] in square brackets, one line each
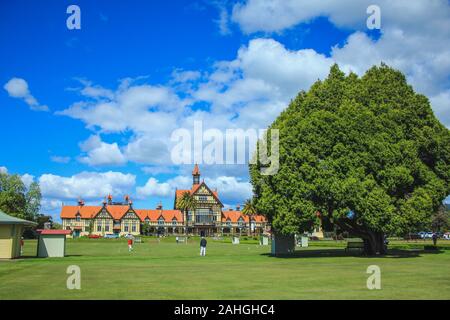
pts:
[88, 212]
[195, 187]
[235, 215]
[7, 219]
[117, 212]
[154, 215]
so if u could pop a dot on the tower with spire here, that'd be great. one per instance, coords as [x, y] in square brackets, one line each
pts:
[196, 175]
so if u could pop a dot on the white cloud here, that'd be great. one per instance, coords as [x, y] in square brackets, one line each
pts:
[18, 88]
[415, 37]
[101, 153]
[88, 185]
[154, 188]
[148, 150]
[60, 159]
[27, 179]
[163, 189]
[231, 189]
[3, 170]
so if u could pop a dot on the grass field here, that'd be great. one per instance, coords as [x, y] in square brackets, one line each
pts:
[166, 270]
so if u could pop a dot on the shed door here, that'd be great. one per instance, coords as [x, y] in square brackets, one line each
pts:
[5, 242]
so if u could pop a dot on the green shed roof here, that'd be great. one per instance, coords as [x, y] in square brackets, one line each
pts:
[6, 219]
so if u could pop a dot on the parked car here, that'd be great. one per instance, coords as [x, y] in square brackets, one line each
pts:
[412, 236]
[111, 236]
[446, 236]
[94, 236]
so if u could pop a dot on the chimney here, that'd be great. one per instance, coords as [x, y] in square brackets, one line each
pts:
[80, 202]
[238, 207]
[159, 206]
[110, 199]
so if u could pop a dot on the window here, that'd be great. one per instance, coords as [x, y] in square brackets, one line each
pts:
[99, 228]
[133, 228]
[174, 221]
[125, 228]
[107, 228]
[203, 198]
[78, 218]
[204, 215]
[161, 220]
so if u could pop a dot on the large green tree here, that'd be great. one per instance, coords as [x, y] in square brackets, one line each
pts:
[367, 153]
[18, 200]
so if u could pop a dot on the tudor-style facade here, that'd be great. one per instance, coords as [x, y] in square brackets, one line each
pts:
[110, 218]
[207, 218]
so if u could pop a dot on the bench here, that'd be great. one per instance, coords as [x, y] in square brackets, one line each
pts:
[182, 239]
[355, 245]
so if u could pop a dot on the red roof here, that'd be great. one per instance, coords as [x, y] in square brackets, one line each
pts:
[153, 215]
[87, 212]
[53, 231]
[235, 215]
[196, 170]
[195, 187]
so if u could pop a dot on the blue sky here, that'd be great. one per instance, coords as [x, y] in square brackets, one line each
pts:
[91, 111]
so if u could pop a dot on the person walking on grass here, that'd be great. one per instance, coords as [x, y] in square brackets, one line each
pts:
[434, 237]
[203, 243]
[22, 243]
[130, 244]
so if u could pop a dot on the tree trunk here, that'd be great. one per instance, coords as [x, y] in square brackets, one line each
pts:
[374, 243]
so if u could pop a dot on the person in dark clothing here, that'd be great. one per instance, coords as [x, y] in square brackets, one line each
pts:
[434, 237]
[203, 246]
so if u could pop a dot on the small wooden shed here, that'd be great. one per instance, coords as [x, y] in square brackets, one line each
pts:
[52, 243]
[11, 229]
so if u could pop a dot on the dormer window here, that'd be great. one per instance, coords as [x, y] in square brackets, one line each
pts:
[147, 220]
[78, 217]
[161, 220]
[174, 221]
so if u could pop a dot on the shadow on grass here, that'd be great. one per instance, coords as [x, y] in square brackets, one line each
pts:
[323, 253]
[36, 257]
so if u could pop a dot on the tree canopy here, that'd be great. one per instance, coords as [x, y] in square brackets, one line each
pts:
[364, 153]
[17, 200]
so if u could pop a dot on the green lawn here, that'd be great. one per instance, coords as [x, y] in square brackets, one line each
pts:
[167, 270]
